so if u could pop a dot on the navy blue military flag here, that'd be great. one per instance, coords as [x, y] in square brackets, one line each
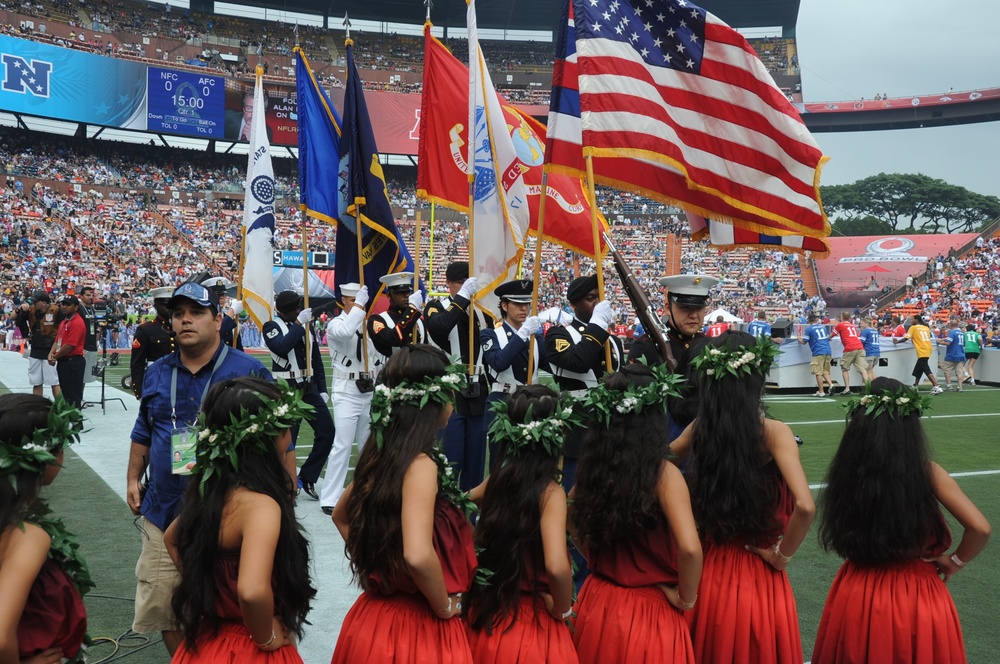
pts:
[319, 145]
[364, 197]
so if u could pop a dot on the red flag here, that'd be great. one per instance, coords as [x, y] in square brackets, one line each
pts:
[708, 131]
[441, 172]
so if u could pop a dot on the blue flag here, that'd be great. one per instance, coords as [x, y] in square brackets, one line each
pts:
[364, 197]
[319, 145]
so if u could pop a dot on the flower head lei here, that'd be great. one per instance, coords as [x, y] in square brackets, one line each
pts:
[218, 446]
[432, 389]
[547, 432]
[602, 403]
[717, 362]
[63, 427]
[905, 401]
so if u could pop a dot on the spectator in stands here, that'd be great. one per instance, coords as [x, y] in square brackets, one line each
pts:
[718, 327]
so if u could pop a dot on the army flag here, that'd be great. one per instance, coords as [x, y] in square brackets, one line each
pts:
[442, 170]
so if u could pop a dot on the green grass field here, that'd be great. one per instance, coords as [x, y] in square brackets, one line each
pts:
[964, 430]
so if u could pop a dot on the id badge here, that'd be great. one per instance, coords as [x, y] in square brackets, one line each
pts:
[182, 444]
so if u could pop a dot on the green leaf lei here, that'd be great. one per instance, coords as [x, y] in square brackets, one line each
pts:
[602, 403]
[432, 389]
[548, 433]
[901, 403]
[64, 426]
[218, 446]
[448, 485]
[718, 362]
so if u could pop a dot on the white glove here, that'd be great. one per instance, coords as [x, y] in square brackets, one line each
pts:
[305, 316]
[325, 397]
[361, 299]
[469, 288]
[417, 300]
[602, 315]
[237, 307]
[530, 326]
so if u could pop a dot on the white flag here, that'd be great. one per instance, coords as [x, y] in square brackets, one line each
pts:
[258, 219]
[500, 214]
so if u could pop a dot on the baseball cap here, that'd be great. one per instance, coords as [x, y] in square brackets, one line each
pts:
[70, 299]
[196, 293]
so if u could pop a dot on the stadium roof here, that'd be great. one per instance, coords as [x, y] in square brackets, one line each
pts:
[517, 14]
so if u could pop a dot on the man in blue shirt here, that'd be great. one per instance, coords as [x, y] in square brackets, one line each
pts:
[760, 327]
[870, 339]
[954, 357]
[818, 338]
[172, 392]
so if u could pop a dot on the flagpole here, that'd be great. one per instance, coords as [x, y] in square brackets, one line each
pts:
[473, 36]
[243, 258]
[430, 253]
[598, 263]
[416, 262]
[305, 288]
[536, 272]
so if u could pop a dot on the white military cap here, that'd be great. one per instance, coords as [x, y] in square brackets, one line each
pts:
[398, 280]
[689, 290]
[350, 290]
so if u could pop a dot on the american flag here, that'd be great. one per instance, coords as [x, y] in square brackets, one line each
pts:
[675, 105]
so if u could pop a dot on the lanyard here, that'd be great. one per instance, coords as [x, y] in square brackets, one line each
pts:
[173, 385]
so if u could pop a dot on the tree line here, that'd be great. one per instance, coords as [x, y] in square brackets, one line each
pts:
[909, 203]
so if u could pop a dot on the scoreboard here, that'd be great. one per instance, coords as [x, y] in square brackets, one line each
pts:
[184, 102]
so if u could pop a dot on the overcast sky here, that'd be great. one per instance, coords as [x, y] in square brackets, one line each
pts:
[856, 48]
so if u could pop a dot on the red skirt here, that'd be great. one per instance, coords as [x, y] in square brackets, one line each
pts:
[745, 612]
[618, 624]
[892, 614]
[535, 638]
[401, 629]
[233, 643]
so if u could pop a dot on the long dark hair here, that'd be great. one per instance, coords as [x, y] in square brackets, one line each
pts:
[615, 495]
[879, 504]
[508, 534]
[733, 490]
[375, 537]
[20, 416]
[200, 522]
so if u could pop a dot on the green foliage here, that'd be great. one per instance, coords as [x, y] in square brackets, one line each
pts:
[867, 225]
[911, 203]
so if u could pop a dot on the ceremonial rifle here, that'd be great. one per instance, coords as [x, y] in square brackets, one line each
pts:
[643, 307]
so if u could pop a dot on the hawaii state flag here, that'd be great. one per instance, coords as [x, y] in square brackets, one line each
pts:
[673, 104]
[258, 219]
[442, 168]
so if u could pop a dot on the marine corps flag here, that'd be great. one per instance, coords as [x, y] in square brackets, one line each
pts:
[441, 171]
[258, 219]
[363, 197]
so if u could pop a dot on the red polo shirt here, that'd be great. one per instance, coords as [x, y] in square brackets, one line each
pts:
[72, 332]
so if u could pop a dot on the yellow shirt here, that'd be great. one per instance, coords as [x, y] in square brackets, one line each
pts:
[920, 335]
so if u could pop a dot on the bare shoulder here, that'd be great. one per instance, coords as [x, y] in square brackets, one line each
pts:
[775, 430]
[24, 543]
